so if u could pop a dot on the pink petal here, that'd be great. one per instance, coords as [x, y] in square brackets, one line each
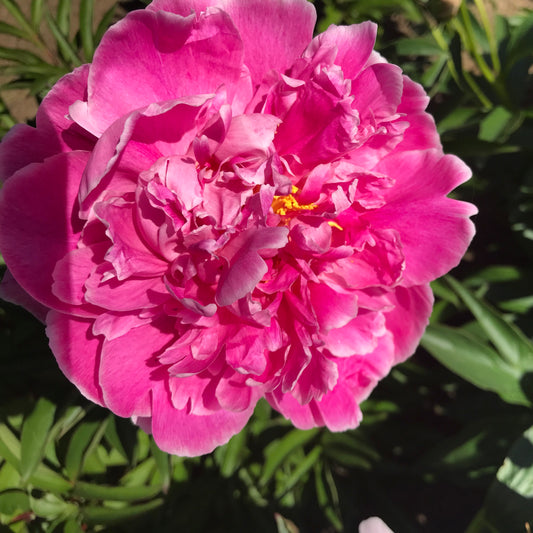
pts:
[77, 352]
[275, 45]
[54, 131]
[11, 291]
[129, 369]
[377, 92]
[354, 45]
[128, 254]
[408, 318]
[37, 226]
[174, 57]
[417, 208]
[178, 432]
[132, 294]
[247, 268]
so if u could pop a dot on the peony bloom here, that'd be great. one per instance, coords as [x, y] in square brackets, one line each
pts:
[222, 208]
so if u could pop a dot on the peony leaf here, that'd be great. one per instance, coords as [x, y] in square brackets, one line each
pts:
[109, 515]
[92, 491]
[13, 501]
[509, 502]
[34, 436]
[84, 440]
[512, 344]
[162, 461]
[468, 357]
[232, 454]
[86, 28]
[66, 49]
[279, 450]
[304, 466]
[36, 13]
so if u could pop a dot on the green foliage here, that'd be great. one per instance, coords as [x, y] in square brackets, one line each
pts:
[446, 440]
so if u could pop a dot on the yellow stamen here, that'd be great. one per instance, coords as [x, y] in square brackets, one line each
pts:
[335, 225]
[283, 204]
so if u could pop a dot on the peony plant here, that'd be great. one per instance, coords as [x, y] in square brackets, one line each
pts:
[221, 208]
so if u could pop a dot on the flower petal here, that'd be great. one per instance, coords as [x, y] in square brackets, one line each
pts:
[77, 351]
[179, 432]
[37, 226]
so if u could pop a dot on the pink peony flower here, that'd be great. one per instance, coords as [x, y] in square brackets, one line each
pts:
[221, 208]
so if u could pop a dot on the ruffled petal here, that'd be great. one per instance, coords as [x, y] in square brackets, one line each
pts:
[275, 45]
[37, 226]
[129, 369]
[418, 209]
[174, 56]
[179, 432]
[77, 351]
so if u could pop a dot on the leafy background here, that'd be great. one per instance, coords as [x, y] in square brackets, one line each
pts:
[446, 443]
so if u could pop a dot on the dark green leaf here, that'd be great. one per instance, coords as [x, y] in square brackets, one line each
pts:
[92, 491]
[509, 503]
[109, 515]
[279, 450]
[20, 56]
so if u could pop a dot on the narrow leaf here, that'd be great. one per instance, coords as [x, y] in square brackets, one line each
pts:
[513, 345]
[86, 28]
[66, 49]
[34, 436]
[36, 13]
[108, 515]
[299, 472]
[92, 491]
[279, 450]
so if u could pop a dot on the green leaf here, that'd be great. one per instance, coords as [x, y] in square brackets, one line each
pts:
[84, 440]
[233, 454]
[475, 361]
[86, 28]
[419, 46]
[34, 436]
[13, 501]
[109, 515]
[279, 450]
[162, 461]
[512, 344]
[92, 491]
[52, 507]
[66, 49]
[349, 450]
[19, 56]
[509, 502]
[499, 124]
[304, 466]
[12, 30]
[18, 15]
[63, 16]
[36, 13]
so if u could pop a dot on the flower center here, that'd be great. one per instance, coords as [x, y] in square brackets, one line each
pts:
[281, 205]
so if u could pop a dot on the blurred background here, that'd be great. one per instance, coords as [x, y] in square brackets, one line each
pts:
[446, 442]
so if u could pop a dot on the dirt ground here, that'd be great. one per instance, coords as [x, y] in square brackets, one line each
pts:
[23, 106]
